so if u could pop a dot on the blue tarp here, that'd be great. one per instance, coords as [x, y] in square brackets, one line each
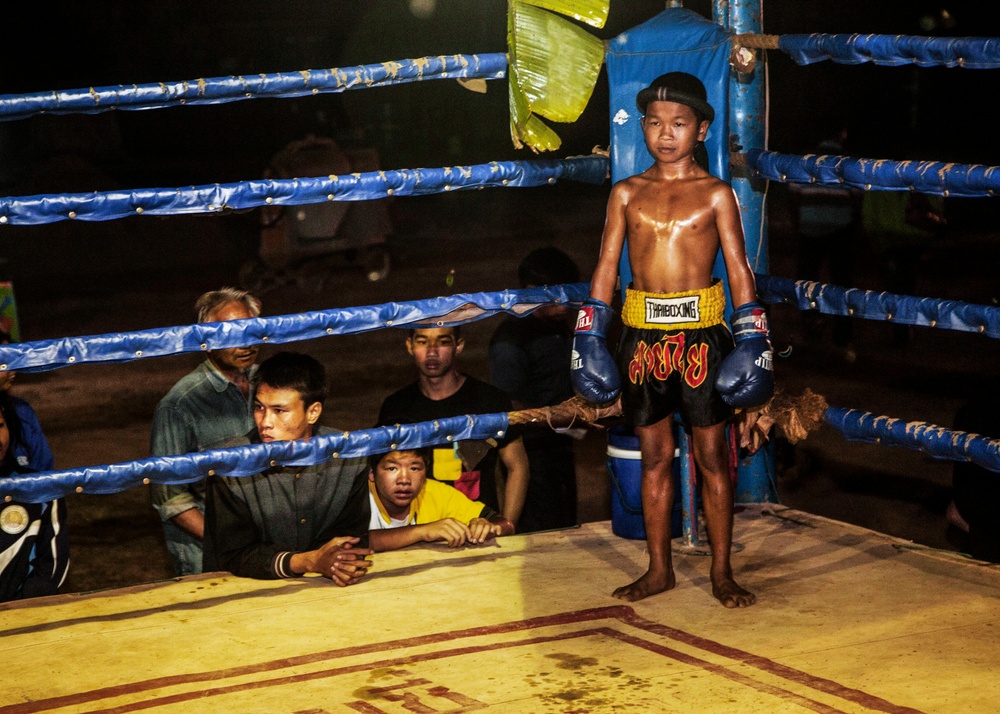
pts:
[675, 40]
[248, 460]
[933, 177]
[127, 346]
[222, 198]
[871, 305]
[936, 441]
[219, 90]
[971, 52]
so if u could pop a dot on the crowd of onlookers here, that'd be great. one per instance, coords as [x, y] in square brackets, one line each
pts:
[328, 518]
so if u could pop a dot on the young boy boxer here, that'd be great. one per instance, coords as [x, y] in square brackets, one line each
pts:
[676, 353]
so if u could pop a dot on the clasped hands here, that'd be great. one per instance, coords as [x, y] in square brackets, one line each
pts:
[338, 559]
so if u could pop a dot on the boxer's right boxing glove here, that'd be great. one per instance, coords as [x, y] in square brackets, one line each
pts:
[592, 369]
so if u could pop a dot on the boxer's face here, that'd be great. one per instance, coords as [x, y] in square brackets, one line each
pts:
[434, 350]
[281, 415]
[672, 131]
[238, 359]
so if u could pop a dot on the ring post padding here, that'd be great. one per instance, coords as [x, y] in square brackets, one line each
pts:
[674, 40]
[747, 110]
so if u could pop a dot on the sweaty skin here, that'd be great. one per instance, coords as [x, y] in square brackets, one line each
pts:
[676, 216]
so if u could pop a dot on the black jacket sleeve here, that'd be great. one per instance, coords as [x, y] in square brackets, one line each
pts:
[51, 560]
[232, 541]
[356, 514]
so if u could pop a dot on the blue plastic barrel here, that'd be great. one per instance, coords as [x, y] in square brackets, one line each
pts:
[625, 469]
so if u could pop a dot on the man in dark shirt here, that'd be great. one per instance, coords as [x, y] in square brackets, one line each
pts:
[288, 521]
[442, 391]
[529, 360]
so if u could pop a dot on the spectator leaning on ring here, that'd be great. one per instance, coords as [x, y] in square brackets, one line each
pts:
[288, 521]
[406, 508]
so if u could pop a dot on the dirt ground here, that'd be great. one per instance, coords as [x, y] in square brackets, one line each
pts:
[97, 414]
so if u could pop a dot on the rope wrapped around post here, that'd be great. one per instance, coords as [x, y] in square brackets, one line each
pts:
[567, 413]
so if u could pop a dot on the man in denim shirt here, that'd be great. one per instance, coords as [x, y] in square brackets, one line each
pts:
[207, 406]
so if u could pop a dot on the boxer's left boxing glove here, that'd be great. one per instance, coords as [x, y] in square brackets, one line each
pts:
[593, 371]
[746, 376]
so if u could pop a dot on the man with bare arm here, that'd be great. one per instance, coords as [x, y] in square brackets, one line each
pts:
[676, 353]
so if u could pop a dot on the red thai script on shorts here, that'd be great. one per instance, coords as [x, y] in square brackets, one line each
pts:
[697, 367]
[659, 360]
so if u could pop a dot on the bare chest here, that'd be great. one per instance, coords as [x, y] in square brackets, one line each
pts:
[665, 214]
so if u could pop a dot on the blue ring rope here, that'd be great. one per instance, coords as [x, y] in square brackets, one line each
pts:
[855, 425]
[872, 305]
[933, 177]
[893, 50]
[224, 198]
[458, 309]
[936, 441]
[220, 90]
[245, 461]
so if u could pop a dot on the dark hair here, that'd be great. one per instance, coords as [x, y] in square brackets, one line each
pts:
[424, 452]
[547, 266]
[457, 330]
[293, 370]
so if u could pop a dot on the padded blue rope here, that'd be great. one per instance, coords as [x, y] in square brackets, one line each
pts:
[221, 198]
[248, 460]
[43, 355]
[933, 177]
[871, 305]
[894, 50]
[937, 441]
[219, 90]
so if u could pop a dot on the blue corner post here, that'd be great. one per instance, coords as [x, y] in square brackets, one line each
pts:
[747, 104]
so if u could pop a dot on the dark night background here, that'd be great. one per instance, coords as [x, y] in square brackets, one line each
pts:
[893, 112]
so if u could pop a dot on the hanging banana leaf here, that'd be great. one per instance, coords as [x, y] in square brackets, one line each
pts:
[525, 128]
[553, 66]
[557, 62]
[592, 12]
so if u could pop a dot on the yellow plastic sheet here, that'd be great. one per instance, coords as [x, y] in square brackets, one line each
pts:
[592, 12]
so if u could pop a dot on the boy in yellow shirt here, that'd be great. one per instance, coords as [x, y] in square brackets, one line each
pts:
[407, 508]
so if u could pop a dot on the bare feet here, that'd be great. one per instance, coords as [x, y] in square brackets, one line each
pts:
[730, 594]
[649, 584]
